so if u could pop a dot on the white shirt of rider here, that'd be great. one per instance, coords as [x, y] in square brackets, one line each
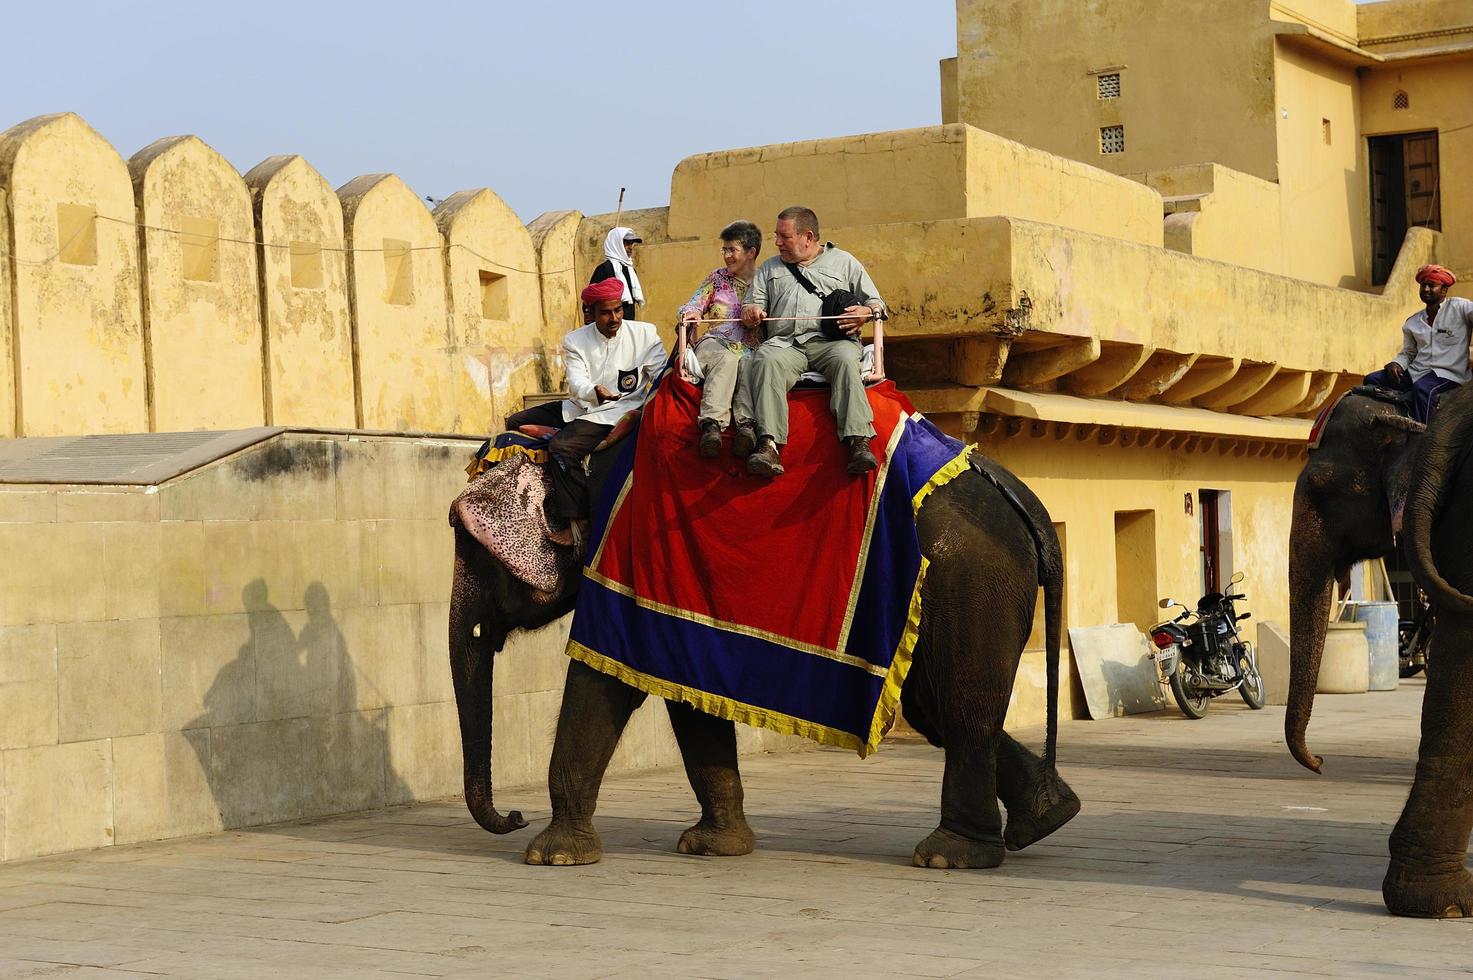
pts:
[1441, 345]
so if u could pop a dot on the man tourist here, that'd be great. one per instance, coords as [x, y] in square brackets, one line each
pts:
[724, 353]
[1434, 355]
[789, 290]
[610, 363]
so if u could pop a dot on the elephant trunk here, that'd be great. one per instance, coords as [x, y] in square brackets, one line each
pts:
[474, 643]
[1439, 458]
[1311, 577]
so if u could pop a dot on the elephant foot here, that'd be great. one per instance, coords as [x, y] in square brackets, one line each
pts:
[563, 844]
[1426, 896]
[944, 849]
[1047, 815]
[708, 839]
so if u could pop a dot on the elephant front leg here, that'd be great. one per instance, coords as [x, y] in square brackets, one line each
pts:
[1038, 801]
[1429, 845]
[595, 709]
[708, 748]
[970, 834]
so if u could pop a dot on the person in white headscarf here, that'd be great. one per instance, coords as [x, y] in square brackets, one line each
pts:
[618, 264]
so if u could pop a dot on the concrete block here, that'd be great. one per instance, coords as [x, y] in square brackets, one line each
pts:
[439, 473]
[434, 648]
[1345, 667]
[88, 505]
[339, 558]
[1114, 663]
[245, 557]
[108, 679]
[182, 568]
[161, 786]
[535, 662]
[27, 506]
[1273, 661]
[376, 480]
[301, 666]
[209, 670]
[58, 798]
[27, 686]
[415, 561]
[512, 762]
[344, 763]
[424, 761]
[259, 772]
[382, 648]
[132, 554]
[49, 574]
[288, 477]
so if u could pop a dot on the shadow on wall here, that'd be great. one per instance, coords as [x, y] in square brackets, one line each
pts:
[287, 738]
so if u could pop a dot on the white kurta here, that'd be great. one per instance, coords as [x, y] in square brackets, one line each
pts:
[1440, 346]
[625, 364]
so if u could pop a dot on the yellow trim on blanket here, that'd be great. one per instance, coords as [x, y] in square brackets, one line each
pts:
[884, 718]
[711, 704]
[496, 455]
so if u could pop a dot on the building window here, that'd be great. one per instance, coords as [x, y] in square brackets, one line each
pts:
[1109, 85]
[1400, 101]
[1112, 139]
[76, 234]
[398, 273]
[199, 247]
[1325, 131]
[494, 305]
[306, 262]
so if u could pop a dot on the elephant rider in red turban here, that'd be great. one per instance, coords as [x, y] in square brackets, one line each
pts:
[610, 364]
[1434, 354]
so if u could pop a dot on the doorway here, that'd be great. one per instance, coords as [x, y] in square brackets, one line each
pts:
[1405, 193]
[1215, 510]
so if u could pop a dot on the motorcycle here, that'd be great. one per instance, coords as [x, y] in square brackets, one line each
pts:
[1201, 656]
[1414, 638]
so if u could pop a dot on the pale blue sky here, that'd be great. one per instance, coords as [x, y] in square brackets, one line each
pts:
[551, 104]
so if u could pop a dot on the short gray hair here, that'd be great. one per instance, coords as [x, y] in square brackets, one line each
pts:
[803, 219]
[745, 234]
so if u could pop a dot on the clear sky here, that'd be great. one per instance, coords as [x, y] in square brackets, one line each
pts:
[551, 103]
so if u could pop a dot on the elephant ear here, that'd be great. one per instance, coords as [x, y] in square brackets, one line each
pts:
[502, 509]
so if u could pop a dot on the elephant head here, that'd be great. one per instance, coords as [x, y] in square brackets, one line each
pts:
[1343, 504]
[1439, 465]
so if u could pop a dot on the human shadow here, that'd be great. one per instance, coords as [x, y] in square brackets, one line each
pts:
[286, 734]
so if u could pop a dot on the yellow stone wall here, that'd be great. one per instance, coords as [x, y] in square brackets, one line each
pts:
[261, 639]
[304, 295]
[75, 328]
[201, 294]
[237, 311]
[500, 345]
[396, 282]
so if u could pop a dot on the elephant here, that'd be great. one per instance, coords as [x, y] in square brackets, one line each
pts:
[1343, 504]
[1428, 876]
[990, 545]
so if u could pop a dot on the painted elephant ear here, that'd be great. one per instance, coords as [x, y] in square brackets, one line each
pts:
[502, 509]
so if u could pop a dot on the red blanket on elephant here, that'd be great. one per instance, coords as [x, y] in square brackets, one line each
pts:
[791, 604]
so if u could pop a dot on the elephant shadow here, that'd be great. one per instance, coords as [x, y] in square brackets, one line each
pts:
[284, 733]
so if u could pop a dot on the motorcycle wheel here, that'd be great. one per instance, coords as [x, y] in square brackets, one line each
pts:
[1193, 705]
[1252, 687]
[1406, 650]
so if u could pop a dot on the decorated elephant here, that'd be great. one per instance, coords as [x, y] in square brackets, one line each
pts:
[1428, 876]
[1345, 504]
[989, 543]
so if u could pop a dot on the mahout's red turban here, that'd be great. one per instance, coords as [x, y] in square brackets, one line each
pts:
[1436, 274]
[603, 291]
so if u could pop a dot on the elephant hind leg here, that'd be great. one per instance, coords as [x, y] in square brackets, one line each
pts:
[1038, 801]
[970, 833]
[708, 748]
[595, 709]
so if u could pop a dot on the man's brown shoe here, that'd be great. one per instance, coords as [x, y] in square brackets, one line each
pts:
[710, 439]
[861, 460]
[765, 461]
[744, 443]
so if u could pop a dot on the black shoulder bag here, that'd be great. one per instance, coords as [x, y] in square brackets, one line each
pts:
[834, 304]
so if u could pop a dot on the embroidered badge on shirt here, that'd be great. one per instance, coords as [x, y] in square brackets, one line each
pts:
[627, 380]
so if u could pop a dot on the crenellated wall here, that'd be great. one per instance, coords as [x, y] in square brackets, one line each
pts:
[167, 293]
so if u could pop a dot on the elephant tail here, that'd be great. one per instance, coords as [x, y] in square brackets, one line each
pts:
[1051, 571]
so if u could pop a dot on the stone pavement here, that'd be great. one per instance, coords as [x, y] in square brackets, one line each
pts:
[1202, 850]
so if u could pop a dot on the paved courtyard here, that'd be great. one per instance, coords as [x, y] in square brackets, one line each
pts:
[1202, 850]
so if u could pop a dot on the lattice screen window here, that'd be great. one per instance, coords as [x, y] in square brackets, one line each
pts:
[1112, 139]
[1109, 85]
[1400, 101]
